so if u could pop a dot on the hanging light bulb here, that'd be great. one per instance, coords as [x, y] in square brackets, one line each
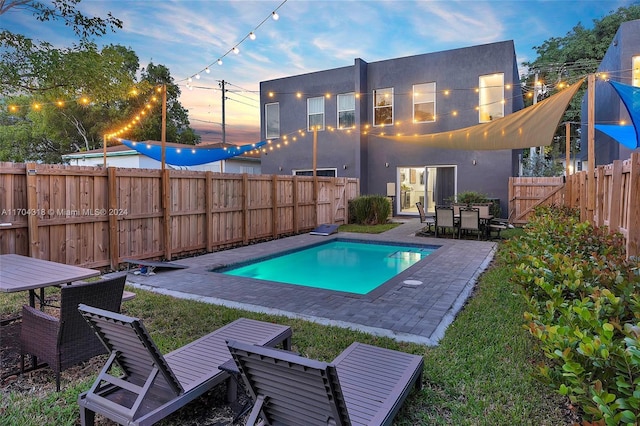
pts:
[197, 76]
[236, 50]
[190, 79]
[207, 70]
[252, 35]
[219, 61]
[275, 15]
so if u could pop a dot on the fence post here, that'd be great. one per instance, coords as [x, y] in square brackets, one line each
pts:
[32, 208]
[208, 207]
[296, 227]
[166, 212]
[633, 235]
[598, 220]
[245, 208]
[275, 220]
[114, 234]
[615, 196]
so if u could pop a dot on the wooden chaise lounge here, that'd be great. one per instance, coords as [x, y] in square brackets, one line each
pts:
[364, 385]
[153, 386]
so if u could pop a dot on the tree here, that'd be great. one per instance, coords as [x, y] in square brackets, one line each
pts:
[65, 10]
[178, 129]
[62, 100]
[68, 109]
[562, 60]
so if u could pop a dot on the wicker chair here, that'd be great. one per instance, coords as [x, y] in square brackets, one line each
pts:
[68, 340]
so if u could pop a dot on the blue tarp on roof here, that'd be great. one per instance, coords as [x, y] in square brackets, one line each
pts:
[189, 155]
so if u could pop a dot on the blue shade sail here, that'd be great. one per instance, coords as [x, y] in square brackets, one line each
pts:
[630, 96]
[625, 135]
[189, 155]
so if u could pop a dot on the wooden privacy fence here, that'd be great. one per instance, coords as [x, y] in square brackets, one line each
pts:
[614, 204]
[96, 218]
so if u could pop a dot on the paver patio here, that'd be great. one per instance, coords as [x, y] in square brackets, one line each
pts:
[412, 313]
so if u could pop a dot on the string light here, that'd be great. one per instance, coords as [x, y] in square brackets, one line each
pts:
[251, 35]
[364, 128]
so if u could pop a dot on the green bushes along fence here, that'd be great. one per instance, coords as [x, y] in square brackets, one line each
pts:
[369, 210]
[583, 299]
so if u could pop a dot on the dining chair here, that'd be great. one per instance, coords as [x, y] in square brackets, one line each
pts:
[68, 340]
[445, 219]
[483, 209]
[470, 221]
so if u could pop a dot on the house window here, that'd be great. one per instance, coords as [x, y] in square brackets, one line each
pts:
[272, 118]
[491, 100]
[346, 111]
[635, 66]
[315, 113]
[383, 107]
[424, 102]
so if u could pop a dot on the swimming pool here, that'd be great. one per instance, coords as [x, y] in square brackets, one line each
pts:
[350, 266]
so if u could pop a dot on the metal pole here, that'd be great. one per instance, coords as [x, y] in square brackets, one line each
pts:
[591, 118]
[567, 154]
[224, 97]
[532, 150]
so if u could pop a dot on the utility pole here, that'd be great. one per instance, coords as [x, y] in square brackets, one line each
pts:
[532, 150]
[224, 97]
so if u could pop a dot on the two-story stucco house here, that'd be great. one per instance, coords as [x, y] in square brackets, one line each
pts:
[353, 107]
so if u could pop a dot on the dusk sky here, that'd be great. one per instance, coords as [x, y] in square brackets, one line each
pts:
[189, 36]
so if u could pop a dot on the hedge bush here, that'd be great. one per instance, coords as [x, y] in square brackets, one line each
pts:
[583, 299]
[369, 210]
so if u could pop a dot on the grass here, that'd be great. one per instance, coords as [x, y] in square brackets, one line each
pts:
[367, 229]
[480, 374]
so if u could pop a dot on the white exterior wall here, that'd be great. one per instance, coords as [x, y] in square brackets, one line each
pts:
[138, 161]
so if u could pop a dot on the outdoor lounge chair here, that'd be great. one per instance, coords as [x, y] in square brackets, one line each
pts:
[68, 340]
[153, 386]
[364, 385]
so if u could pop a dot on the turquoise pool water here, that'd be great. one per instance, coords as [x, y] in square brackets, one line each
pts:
[339, 265]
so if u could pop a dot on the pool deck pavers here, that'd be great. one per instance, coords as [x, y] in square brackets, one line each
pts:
[405, 312]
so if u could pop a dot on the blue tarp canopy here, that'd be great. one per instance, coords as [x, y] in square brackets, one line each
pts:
[626, 135]
[189, 155]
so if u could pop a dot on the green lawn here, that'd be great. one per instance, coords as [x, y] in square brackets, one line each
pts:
[480, 374]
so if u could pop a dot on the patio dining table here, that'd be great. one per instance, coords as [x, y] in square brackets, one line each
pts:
[20, 273]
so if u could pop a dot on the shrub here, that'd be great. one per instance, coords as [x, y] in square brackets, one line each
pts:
[369, 210]
[583, 300]
[470, 197]
[473, 197]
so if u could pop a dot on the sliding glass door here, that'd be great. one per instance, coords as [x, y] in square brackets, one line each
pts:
[430, 185]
